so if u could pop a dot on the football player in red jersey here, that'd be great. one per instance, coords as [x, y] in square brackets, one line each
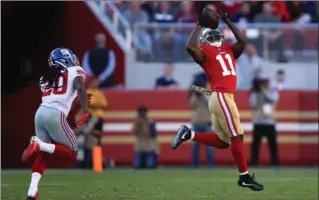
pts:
[218, 61]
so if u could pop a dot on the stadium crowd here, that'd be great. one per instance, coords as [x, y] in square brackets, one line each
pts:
[151, 42]
[187, 11]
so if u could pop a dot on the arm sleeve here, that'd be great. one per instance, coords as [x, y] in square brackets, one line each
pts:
[80, 72]
[77, 71]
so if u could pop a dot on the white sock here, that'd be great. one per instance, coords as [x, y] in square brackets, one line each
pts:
[244, 173]
[35, 178]
[46, 147]
[192, 135]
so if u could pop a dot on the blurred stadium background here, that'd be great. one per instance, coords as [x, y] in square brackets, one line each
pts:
[30, 30]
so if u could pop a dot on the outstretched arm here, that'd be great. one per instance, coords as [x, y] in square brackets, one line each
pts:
[192, 48]
[239, 46]
[80, 87]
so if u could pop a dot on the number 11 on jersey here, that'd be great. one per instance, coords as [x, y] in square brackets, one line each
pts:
[225, 67]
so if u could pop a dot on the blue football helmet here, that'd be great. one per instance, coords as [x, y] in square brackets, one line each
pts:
[63, 57]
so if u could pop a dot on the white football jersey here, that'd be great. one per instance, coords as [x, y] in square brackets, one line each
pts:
[61, 98]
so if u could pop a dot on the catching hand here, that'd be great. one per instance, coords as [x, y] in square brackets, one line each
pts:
[223, 16]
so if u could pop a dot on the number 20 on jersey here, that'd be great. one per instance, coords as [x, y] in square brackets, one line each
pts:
[61, 82]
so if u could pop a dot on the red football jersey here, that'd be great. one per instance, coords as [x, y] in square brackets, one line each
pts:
[220, 67]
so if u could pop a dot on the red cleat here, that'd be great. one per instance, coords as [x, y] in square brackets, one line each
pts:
[33, 148]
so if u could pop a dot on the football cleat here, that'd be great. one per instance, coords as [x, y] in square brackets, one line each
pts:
[249, 181]
[182, 135]
[33, 148]
[36, 197]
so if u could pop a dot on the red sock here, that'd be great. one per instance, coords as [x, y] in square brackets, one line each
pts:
[40, 163]
[237, 148]
[64, 152]
[210, 139]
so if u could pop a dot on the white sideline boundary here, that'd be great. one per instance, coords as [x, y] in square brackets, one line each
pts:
[173, 126]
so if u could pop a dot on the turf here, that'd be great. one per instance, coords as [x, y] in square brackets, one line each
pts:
[163, 184]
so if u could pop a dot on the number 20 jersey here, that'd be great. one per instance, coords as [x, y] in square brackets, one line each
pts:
[220, 67]
[62, 98]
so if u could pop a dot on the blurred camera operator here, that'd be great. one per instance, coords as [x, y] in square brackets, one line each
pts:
[146, 145]
[263, 100]
[201, 119]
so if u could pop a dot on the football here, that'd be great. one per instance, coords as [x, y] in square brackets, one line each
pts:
[210, 18]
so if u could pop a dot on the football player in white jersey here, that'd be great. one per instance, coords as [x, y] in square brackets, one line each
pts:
[61, 84]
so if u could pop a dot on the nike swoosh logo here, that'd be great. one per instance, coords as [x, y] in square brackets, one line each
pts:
[245, 184]
[183, 136]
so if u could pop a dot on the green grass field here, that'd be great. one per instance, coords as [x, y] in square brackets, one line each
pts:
[163, 184]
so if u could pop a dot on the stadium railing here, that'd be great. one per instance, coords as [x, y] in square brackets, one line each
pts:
[120, 24]
[297, 42]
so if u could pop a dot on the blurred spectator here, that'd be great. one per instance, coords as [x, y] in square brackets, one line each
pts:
[98, 101]
[186, 15]
[100, 62]
[279, 9]
[134, 14]
[89, 135]
[244, 16]
[280, 81]
[141, 39]
[149, 7]
[146, 145]
[266, 16]
[201, 119]
[256, 7]
[249, 67]
[301, 13]
[230, 7]
[263, 100]
[275, 37]
[166, 40]
[167, 81]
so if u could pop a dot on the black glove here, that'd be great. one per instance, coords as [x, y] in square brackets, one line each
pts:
[224, 17]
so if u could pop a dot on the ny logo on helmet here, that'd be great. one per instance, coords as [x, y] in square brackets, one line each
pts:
[65, 52]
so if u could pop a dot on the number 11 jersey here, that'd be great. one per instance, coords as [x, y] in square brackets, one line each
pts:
[62, 97]
[220, 67]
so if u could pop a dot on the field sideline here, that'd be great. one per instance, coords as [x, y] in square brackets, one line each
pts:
[163, 184]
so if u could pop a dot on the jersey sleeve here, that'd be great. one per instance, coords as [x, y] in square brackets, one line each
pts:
[78, 71]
